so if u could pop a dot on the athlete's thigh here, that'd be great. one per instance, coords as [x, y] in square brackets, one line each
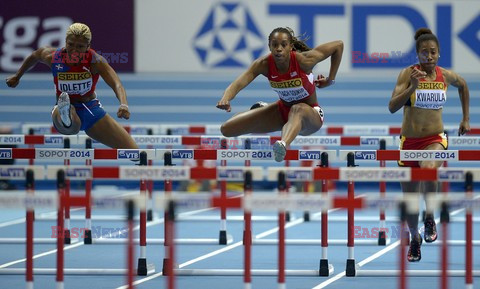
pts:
[111, 133]
[311, 120]
[259, 120]
[432, 164]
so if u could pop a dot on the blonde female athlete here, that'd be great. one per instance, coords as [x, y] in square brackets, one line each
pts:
[421, 90]
[76, 68]
[288, 68]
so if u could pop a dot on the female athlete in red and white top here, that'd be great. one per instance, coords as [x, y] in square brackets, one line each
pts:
[76, 69]
[289, 70]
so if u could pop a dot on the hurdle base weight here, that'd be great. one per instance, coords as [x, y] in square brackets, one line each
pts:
[88, 237]
[382, 240]
[67, 240]
[306, 216]
[143, 269]
[324, 268]
[350, 270]
[222, 238]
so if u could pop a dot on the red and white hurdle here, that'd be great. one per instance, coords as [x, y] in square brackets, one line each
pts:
[47, 128]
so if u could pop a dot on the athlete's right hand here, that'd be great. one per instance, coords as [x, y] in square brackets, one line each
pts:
[224, 104]
[416, 75]
[13, 81]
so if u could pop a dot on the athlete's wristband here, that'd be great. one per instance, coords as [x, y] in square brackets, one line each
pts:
[124, 105]
[330, 81]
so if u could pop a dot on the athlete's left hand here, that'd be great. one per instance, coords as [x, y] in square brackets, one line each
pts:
[123, 112]
[464, 127]
[321, 81]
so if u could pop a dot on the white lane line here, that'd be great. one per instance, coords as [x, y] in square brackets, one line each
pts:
[13, 222]
[79, 242]
[371, 258]
[74, 245]
[225, 249]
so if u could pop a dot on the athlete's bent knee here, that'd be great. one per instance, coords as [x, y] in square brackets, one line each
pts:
[226, 130]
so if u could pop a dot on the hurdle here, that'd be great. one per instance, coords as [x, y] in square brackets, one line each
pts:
[211, 129]
[267, 202]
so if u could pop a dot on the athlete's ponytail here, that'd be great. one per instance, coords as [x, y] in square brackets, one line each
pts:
[297, 42]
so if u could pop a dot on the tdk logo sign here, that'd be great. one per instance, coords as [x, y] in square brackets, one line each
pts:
[182, 154]
[365, 155]
[309, 155]
[128, 154]
[5, 154]
[228, 37]
[12, 172]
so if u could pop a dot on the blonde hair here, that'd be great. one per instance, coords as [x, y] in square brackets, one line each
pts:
[80, 29]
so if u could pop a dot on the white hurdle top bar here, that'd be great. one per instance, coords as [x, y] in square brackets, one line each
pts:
[236, 173]
[213, 142]
[187, 129]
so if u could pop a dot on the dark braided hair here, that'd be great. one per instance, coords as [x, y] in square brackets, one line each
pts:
[425, 34]
[297, 43]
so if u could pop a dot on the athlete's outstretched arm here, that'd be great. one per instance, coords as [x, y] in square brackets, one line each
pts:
[42, 54]
[333, 49]
[111, 78]
[258, 67]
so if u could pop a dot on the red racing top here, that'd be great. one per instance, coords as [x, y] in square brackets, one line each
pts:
[292, 86]
[75, 80]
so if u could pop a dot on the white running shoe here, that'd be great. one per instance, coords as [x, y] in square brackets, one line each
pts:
[63, 105]
[279, 150]
[258, 104]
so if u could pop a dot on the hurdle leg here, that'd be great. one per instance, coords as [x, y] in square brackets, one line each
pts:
[167, 264]
[150, 184]
[222, 239]
[169, 240]
[87, 240]
[60, 227]
[142, 260]
[247, 235]
[306, 187]
[66, 162]
[444, 218]
[324, 268]
[282, 188]
[29, 234]
[130, 250]
[469, 234]
[404, 239]
[88, 213]
[287, 188]
[142, 269]
[350, 268]
[382, 236]
[150, 193]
